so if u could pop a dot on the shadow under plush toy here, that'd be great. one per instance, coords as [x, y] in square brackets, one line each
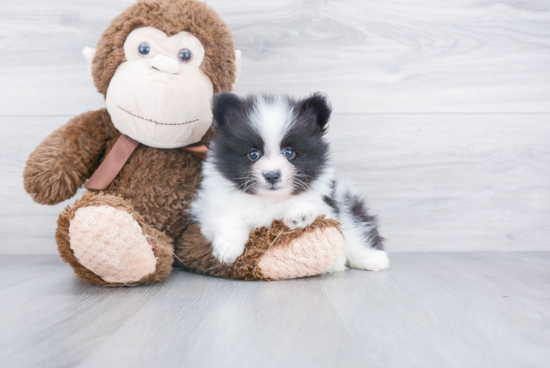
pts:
[158, 65]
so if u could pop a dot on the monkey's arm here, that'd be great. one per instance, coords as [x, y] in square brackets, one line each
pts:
[60, 165]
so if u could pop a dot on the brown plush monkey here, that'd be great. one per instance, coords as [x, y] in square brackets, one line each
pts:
[158, 65]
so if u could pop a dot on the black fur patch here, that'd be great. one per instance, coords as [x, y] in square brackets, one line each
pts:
[318, 106]
[360, 215]
[235, 138]
[332, 203]
[306, 137]
[331, 199]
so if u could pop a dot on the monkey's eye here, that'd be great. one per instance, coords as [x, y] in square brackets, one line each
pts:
[253, 154]
[144, 49]
[289, 153]
[184, 55]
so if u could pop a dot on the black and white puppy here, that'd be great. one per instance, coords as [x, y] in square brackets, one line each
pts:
[270, 161]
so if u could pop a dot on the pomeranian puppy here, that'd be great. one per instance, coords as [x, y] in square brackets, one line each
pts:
[270, 161]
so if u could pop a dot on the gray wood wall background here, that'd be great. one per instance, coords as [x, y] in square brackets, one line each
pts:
[441, 108]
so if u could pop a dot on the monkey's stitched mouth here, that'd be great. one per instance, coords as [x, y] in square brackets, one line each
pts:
[156, 122]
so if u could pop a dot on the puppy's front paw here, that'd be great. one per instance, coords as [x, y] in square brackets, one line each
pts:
[299, 216]
[339, 265]
[226, 250]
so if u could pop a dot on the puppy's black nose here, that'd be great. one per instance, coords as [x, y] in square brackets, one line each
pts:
[272, 176]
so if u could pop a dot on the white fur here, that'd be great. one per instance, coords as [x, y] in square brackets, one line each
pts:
[272, 119]
[227, 214]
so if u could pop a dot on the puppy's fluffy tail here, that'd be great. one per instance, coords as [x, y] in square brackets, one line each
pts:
[354, 215]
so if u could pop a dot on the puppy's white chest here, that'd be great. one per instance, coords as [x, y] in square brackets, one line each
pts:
[262, 213]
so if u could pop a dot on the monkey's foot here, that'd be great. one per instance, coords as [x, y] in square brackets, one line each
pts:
[109, 244]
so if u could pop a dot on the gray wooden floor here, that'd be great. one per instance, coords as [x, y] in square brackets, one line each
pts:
[487, 309]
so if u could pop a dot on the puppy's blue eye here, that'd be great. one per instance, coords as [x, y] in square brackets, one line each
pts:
[289, 153]
[253, 154]
[184, 55]
[144, 49]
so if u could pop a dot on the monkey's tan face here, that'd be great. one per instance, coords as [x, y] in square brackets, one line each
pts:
[159, 96]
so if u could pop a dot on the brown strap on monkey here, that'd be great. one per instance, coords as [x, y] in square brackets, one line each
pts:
[119, 154]
[199, 150]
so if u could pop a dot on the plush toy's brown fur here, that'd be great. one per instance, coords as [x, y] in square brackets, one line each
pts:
[194, 253]
[156, 185]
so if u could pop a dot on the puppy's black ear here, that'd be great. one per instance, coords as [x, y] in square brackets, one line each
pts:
[317, 105]
[224, 104]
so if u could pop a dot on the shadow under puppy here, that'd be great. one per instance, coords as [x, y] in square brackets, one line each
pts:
[270, 161]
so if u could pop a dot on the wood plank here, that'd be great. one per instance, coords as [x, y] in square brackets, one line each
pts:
[375, 56]
[450, 182]
[57, 319]
[437, 181]
[235, 323]
[431, 310]
[17, 269]
[450, 310]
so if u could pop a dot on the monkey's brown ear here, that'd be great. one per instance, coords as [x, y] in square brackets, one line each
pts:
[224, 105]
[89, 54]
[317, 104]
[238, 59]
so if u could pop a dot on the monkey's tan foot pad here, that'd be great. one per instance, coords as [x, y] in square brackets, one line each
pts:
[111, 244]
[316, 251]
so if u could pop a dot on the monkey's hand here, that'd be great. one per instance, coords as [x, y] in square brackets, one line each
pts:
[60, 165]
